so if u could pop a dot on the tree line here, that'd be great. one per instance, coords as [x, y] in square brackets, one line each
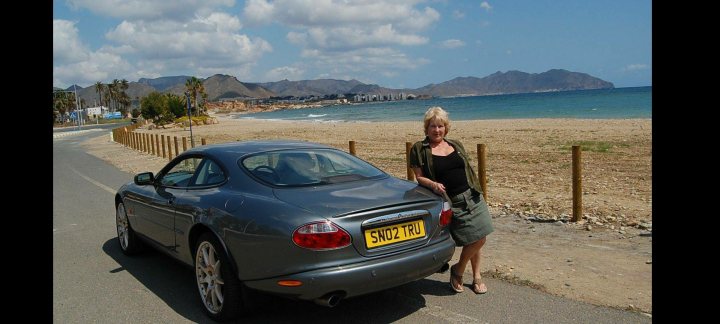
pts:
[165, 108]
[162, 108]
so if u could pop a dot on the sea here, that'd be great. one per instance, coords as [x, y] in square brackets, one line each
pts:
[617, 103]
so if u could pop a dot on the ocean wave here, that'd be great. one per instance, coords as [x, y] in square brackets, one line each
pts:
[316, 116]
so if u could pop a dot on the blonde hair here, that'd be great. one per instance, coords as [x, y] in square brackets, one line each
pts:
[438, 113]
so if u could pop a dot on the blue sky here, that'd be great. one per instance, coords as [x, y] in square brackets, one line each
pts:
[392, 43]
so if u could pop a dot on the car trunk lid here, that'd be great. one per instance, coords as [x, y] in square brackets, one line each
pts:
[382, 216]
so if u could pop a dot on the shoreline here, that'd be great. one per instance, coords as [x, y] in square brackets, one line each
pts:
[234, 115]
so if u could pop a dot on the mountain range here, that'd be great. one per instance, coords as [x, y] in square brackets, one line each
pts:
[222, 87]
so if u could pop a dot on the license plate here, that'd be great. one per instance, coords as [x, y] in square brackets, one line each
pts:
[385, 235]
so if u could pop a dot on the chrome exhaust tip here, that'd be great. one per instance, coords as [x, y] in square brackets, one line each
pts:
[329, 300]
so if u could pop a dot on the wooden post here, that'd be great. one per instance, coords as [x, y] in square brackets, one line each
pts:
[352, 148]
[203, 142]
[169, 148]
[157, 144]
[482, 172]
[410, 173]
[177, 152]
[162, 141]
[577, 183]
[184, 143]
[146, 147]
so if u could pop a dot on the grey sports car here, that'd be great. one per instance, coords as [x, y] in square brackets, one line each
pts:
[290, 218]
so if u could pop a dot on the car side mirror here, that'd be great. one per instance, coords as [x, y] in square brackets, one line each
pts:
[145, 178]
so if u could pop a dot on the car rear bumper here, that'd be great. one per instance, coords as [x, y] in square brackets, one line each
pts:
[364, 277]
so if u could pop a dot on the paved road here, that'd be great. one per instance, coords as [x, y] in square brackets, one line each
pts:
[94, 282]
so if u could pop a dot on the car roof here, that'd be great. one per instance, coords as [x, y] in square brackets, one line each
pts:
[248, 147]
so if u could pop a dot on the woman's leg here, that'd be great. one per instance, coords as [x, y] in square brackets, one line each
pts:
[478, 285]
[467, 254]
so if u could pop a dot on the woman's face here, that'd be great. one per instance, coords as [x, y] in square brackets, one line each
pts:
[435, 130]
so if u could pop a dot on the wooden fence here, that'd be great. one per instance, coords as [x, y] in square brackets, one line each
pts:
[156, 145]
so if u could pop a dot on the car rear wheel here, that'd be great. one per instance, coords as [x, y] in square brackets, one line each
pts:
[220, 290]
[129, 243]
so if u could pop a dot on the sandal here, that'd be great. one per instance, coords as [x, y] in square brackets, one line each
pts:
[454, 277]
[478, 286]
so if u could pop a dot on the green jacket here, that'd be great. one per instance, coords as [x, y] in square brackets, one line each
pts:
[421, 157]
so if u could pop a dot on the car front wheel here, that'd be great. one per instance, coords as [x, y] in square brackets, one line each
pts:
[129, 243]
[220, 289]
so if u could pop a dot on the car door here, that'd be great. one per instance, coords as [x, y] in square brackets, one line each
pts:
[202, 198]
[157, 220]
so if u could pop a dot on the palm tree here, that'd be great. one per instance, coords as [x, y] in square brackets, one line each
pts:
[122, 96]
[112, 94]
[193, 85]
[64, 101]
[100, 88]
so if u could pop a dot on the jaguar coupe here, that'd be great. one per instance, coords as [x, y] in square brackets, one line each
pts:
[291, 218]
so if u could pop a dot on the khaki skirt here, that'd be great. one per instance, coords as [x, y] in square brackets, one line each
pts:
[471, 219]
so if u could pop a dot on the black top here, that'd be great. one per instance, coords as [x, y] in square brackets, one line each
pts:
[450, 171]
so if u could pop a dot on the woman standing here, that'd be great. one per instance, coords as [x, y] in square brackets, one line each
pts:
[442, 165]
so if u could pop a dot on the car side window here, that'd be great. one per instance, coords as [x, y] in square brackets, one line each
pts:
[208, 174]
[180, 174]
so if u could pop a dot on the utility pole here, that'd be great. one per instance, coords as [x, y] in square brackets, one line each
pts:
[192, 140]
[78, 114]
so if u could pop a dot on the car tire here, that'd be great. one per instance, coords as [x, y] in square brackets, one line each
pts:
[129, 242]
[221, 292]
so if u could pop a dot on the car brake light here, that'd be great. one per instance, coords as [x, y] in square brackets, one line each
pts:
[445, 214]
[321, 236]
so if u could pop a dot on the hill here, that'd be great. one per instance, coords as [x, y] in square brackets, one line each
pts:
[516, 82]
[220, 87]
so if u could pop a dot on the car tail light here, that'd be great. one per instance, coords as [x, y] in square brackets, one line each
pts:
[445, 214]
[321, 236]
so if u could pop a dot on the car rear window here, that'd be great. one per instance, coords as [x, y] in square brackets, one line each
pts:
[308, 167]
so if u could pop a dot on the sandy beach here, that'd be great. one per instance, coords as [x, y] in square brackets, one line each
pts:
[528, 160]
[529, 186]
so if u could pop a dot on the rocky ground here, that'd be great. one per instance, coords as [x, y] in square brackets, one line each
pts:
[605, 258]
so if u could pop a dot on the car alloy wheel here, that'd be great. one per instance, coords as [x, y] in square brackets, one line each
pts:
[129, 243]
[220, 290]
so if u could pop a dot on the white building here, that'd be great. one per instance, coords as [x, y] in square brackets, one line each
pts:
[96, 111]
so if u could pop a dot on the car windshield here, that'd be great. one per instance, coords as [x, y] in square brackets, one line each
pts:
[308, 167]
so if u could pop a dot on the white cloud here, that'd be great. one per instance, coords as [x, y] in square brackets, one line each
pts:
[284, 72]
[365, 59]
[202, 45]
[452, 43]
[203, 42]
[326, 13]
[636, 67]
[485, 5]
[150, 9]
[67, 47]
[160, 37]
[99, 66]
[347, 38]
[258, 11]
[358, 36]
